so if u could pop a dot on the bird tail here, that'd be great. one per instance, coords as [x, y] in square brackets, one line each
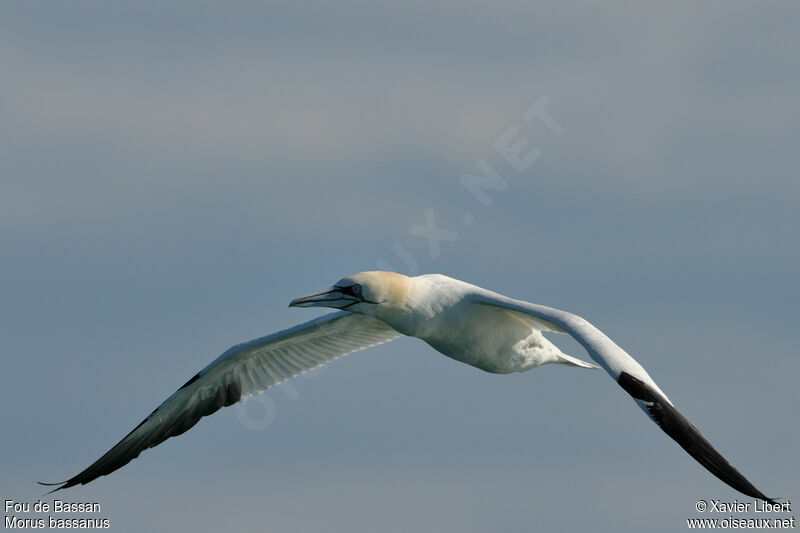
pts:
[565, 359]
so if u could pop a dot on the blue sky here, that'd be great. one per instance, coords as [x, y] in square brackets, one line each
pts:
[173, 174]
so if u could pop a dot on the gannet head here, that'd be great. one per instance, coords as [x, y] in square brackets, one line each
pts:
[368, 293]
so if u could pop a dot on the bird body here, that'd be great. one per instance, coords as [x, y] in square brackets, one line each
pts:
[445, 313]
[465, 322]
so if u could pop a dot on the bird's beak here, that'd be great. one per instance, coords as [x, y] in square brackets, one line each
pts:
[331, 297]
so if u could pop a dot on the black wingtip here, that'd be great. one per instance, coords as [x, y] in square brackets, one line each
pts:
[61, 485]
[688, 436]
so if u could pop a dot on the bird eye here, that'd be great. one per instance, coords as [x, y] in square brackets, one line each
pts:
[356, 290]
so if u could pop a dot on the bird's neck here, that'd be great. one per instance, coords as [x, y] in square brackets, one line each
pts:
[424, 299]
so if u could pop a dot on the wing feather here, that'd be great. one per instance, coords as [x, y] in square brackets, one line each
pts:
[242, 371]
[633, 378]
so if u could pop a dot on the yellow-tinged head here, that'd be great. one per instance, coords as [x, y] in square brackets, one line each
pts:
[361, 293]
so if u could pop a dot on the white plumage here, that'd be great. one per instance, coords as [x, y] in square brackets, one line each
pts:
[465, 322]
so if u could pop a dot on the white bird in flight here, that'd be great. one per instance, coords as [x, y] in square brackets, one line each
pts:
[465, 322]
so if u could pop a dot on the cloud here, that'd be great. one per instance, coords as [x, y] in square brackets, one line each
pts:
[173, 173]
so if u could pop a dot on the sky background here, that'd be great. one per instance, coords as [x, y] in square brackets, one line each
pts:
[172, 174]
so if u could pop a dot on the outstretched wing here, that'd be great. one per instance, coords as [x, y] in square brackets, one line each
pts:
[242, 371]
[630, 375]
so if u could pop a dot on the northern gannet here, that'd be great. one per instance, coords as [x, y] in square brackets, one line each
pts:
[465, 322]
